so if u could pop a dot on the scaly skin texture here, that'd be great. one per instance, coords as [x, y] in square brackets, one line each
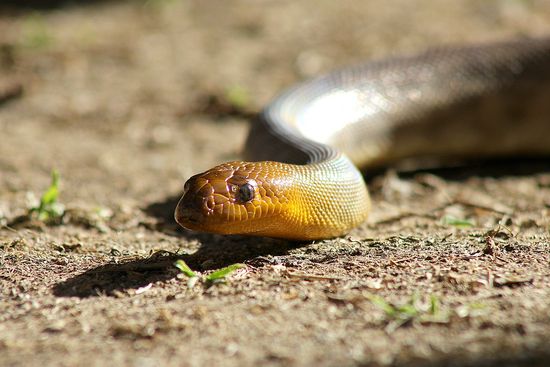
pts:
[483, 100]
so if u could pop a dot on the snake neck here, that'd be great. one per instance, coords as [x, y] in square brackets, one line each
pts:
[328, 193]
[333, 197]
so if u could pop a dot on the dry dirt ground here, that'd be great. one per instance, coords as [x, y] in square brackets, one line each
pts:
[128, 99]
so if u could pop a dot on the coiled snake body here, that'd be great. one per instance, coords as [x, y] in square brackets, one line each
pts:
[303, 183]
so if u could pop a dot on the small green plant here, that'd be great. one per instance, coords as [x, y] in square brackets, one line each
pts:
[35, 32]
[216, 277]
[435, 307]
[456, 222]
[402, 314]
[220, 275]
[237, 96]
[184, 268]
[413, 310]
[49, 208]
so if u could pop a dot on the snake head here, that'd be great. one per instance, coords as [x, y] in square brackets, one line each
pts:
[235, 197]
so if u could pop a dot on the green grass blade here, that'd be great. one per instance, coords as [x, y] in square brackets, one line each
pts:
[456, 222]
[52, 193]
[434, 305]
[48, 207]
[184, 268]
[224, 272]
[237, 96]
[385, 306]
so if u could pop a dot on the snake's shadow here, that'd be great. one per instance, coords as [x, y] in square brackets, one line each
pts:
[463, 169]
[214, 252]
[109, 279]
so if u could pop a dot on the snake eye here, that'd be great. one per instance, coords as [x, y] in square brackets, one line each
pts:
[245, 193]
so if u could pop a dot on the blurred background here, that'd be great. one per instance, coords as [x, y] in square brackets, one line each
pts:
[127, 99]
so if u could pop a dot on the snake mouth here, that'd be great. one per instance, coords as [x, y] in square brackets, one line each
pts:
[186, 215]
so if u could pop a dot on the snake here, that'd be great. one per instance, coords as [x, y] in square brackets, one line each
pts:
[301, 177]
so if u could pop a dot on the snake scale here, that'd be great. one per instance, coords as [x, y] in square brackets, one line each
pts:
[304, 152]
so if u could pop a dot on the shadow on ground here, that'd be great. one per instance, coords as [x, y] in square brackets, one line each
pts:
[109, 279]
[163, 212]
[460, 170]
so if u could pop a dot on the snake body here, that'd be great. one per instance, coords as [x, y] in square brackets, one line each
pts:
[302, 180]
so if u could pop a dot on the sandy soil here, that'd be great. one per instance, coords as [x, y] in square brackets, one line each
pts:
[126, 100]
